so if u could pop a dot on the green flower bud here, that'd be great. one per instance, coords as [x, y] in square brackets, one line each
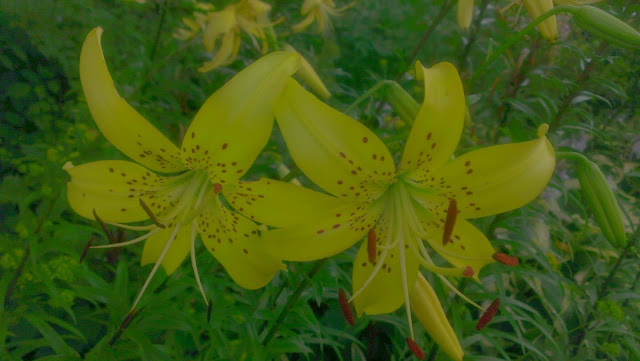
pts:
[403, 103]
[606, 26]
[602, 202]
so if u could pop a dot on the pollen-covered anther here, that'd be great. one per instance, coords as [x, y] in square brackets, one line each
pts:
[83, 255]
[103, 226]
[346, 309]
[151, 215]
[415, 348]
[468, 271]
[371, 245]
[488, 315]
[217, 188]
[450, 222]
[123, 325]
[505, 259]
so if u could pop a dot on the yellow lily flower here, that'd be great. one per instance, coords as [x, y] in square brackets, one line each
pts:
[219, 146]
[549, 27]
[319, 11]
[464, 13]
[397, 209]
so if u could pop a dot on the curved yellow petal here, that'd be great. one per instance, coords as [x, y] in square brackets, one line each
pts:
[464, 13]
[329, 233]
[303, 24]
[338, 153]
[234, 241]
[309, 75]
[426, 306]
[177, 252]
[235, 123]
[549, 27]
[468, 246]
[385, 292]
[438, 125]
[218, 23]
[125, 128]
[278, 204]
[225, 54]
[499, 178]
[112, 188]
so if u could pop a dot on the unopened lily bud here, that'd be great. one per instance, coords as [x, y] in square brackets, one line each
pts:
[309, 76]
[403, 103]
[549, 27]
[606, 26]
[602, 202]
[465, 13]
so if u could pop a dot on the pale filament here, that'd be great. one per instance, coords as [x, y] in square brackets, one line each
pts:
[403, 268]
[133, 241]
[193, 261]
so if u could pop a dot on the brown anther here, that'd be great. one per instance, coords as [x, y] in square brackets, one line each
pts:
[151, 215]
[346, 309]
[417, 350]
[209, 309]
[371, 245]
[86, 248]
[123, 325]
[450, 222]
[468, 272]
[103, 226]
[217, 188]
[505, 259]
[488, 315]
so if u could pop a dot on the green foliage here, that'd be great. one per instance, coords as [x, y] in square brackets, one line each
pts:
[564, 301]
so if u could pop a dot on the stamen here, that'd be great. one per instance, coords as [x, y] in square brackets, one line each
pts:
[468, 272]
[155, 267]
[151, 215]
[458, 293]
[417, 350]
[452, 213]
[505, 259]
[217, 188]
[86, 248]
[123, 325]
[127, 243]
[488, 315]
[132, 228]
[375, 271]
[371, 245]
[103, 226]
[193, 262]
[346, 309]
[209, 309]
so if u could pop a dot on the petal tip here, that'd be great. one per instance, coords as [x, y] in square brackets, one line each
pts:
[542, 129]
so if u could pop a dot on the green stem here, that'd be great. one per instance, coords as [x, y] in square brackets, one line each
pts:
[571, 156]
[292, 300]
[163, 11]
[367, 94]
[519, 36]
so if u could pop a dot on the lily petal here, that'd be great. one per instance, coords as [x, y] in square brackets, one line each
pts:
[549, 27]
[235, 123]
[499, 178]
[384, 293]
[438, 125]
[218, 22]
[426, 306]
[465, 13]
[278, 204]
[177, 252]
[113, 189]
[338, 153]
[225, 54]
[122, 125]
[329, 233]
[468, 245]
[234, 241]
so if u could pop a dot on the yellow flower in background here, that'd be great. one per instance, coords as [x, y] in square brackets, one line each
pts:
[426, 199]
[464, 13]
[225, 137]
[319, 11]
[226, 26]
[549, 27]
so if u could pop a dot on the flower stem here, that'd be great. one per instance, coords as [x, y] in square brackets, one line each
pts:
[163, 11]
[292, 300]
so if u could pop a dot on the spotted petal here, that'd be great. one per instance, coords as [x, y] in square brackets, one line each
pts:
[329, 233]
[235, 123]
[385, 292]
[426, 306]
[338, 153]
[278, 204]
[438, 125]
[234, 241]
[113, 189]
[177, 252]
[122, 125]
[498, 179]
